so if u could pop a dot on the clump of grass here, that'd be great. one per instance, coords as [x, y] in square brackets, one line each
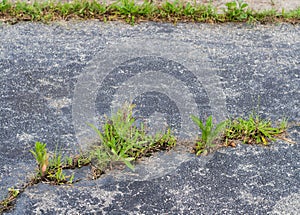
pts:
[237, 11]
[210, 133]
[131, 12]
[123, 141]
[253, 130]
[50, 169]
[128, 10]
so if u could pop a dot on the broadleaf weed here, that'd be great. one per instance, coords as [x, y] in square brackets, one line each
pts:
[236, 10]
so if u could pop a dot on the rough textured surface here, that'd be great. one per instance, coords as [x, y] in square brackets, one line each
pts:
[55, 78]
[244, 180]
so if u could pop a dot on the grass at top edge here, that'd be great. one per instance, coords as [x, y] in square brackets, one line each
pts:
[131, 12]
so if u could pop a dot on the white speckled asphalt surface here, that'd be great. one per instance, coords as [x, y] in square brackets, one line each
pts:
[57, 77]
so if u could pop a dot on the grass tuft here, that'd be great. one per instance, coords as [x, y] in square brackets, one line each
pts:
[122, 141]
[209, 135]
[132, 12]
[254, 130]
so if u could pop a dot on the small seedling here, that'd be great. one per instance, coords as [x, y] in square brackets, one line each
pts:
[83, 161]
[14, 192]
[69, 162]
[50, 168]
[160, 141]
[209, 134]
[7, 203]
[41, 156]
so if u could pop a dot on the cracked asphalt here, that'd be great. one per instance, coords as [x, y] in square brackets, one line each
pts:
[55, 78]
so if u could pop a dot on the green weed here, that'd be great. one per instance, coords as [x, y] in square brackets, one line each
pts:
[55, 171]
[82, 160]
[121, 140]
[7, 203]
[173, 8]
[131, 12]
[236, 11]
[41, 156]
[253, 130]
[126, 9]
[50, 168]
[209, 134]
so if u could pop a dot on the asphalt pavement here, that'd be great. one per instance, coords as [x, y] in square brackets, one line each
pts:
[56, 78]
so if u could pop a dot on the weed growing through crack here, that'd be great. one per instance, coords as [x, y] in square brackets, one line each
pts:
[121, 140]
[42, 157]
[210, 133]
[253, 130]
[50, 169]
[7, 203]
[55, 172]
